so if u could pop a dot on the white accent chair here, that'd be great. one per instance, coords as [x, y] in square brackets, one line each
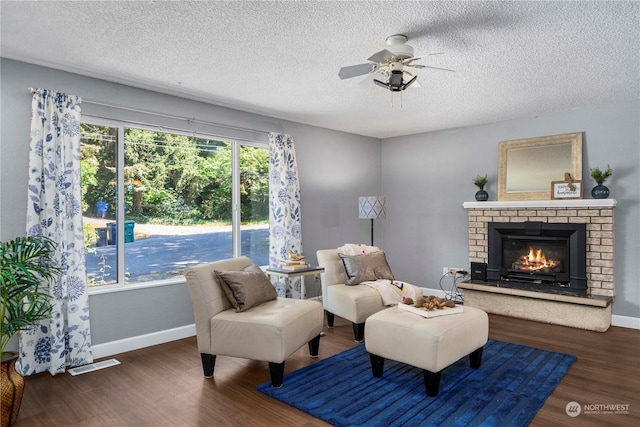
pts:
[351, 302]
[271, 331]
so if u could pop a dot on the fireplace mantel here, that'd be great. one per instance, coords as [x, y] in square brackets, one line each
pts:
[573, 203]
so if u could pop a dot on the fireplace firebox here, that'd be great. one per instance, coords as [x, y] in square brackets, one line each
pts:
[538, 256]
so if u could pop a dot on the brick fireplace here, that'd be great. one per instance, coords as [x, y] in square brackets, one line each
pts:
[588, 310]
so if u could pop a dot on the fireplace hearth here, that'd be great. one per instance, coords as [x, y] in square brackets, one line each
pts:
[538, 256]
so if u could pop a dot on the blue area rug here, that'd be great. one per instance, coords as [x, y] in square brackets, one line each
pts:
[508, 390]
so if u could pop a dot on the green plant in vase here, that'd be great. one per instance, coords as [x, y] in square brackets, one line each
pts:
[480, 181]
[26, 268]
[600, 191]
[600, 176]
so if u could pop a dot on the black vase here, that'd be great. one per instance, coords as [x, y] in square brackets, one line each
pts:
[600, 192]
[483, 196]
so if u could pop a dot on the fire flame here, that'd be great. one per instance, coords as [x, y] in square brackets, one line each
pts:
[535, 260]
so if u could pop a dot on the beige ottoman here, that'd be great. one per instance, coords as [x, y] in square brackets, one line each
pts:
[428, 343]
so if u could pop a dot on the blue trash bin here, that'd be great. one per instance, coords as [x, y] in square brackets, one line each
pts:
[102, 208]
[113, 232]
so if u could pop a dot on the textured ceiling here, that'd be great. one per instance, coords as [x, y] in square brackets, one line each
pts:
[281, 58]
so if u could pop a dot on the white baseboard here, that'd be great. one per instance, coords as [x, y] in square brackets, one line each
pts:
[616, 320]
[142, 341]
[625, 321]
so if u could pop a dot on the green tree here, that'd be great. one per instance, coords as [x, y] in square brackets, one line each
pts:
[216, 196]
[98, 160]
[254, 183]
[173, 178]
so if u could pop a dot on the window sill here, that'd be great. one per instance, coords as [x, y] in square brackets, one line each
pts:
[107, 289]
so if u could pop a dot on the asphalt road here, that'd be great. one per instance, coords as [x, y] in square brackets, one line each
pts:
[153, 257]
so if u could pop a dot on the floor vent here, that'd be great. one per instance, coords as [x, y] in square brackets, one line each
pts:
[93, 367]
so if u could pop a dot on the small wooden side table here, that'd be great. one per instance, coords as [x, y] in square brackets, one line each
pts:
[288, 274]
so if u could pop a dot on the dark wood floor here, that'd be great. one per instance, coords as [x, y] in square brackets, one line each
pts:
[164, 386]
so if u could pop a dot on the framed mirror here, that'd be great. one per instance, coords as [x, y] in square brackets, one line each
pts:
[526, 167]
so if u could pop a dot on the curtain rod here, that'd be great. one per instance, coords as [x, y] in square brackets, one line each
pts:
[167, 116]
[162, 128]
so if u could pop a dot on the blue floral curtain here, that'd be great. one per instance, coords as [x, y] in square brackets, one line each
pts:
[285, 230]
[54, 210]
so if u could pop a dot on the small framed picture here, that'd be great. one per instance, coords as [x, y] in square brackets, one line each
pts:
[566, 190]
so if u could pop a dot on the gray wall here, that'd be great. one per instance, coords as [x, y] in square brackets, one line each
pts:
[330, 180]
[335, 169]
[427, 177]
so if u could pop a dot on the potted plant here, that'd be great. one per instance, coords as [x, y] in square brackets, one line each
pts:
[480, 181]
[600, 176]
[26, 268]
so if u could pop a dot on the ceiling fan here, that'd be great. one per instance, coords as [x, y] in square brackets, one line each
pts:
[388, 65]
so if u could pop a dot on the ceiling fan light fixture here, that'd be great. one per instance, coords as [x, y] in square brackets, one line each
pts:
[380, 83]
[407, 84]
[396, 83]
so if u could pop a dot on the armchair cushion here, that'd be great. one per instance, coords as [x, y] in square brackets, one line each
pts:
[367, 267]
[247, 288]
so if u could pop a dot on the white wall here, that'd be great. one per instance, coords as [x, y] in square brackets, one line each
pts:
[427, 177]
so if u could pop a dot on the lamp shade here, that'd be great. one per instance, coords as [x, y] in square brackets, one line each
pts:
[372, 207]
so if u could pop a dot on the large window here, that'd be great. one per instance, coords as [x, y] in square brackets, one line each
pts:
[155, 202]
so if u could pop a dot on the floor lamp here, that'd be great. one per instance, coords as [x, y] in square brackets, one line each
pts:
[372, 207]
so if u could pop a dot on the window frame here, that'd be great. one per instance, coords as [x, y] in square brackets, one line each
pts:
[236, 225]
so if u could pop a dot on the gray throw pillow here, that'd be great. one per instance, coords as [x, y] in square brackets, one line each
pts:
[366, 267]
[247, 288]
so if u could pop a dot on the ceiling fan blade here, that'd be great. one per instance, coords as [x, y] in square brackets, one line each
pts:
[356, 70]
[438, 68]
[428, 66]
[416, 58]
[381, 56]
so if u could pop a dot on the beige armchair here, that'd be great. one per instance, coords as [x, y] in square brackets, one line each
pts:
[351, 302]
[270, 331]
